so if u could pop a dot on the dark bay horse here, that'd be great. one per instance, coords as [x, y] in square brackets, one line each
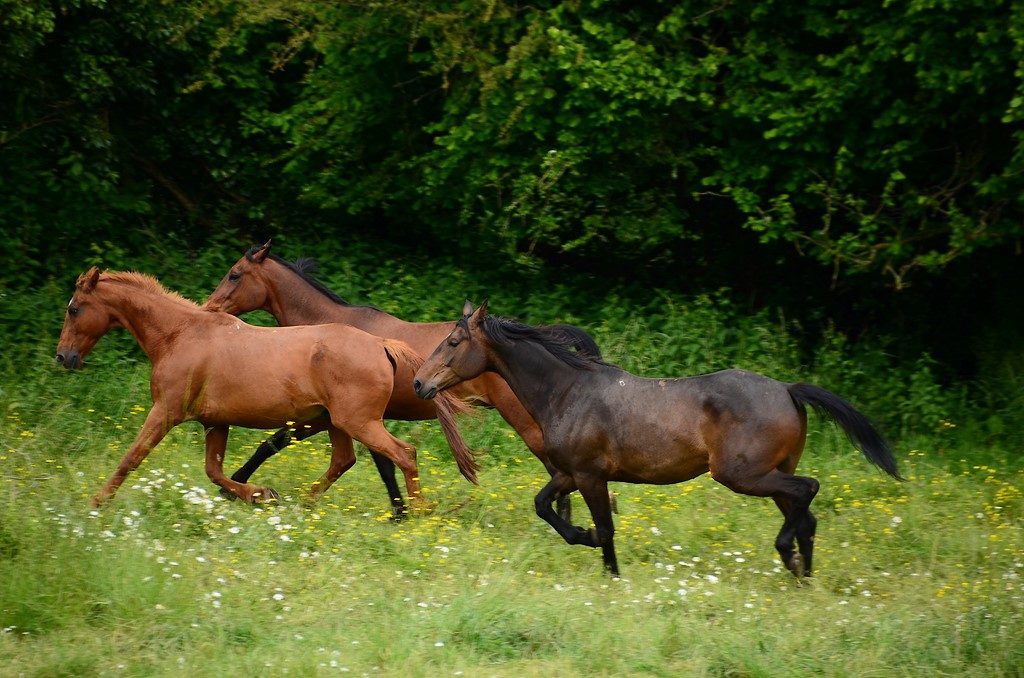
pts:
[214, 369]
[602, 423]
[261, 280]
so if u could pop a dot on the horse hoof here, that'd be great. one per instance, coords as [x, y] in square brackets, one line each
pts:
[796, 565]
[265, 495]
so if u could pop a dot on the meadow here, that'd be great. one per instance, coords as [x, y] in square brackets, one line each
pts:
[918, 578]
[924, 577]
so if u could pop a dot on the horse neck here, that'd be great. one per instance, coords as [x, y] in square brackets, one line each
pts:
[293, 301]
[153, 319]
[540, 381]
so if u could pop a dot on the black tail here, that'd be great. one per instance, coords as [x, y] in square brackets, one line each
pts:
[858, 428]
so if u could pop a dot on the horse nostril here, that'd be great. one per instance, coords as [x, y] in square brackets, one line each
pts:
[60, 358]
[417, 385]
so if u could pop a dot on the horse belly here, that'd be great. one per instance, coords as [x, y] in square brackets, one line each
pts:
[660, 464]
[262, 400]
[628, 443]
[263, 412]
[660, 444]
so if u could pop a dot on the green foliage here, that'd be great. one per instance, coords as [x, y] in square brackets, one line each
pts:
[876, 138]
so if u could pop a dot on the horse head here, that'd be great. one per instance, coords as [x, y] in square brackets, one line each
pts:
[462, 355]
[243, 288]
[85, 322]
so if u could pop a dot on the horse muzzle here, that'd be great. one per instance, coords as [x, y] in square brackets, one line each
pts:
[423, 391]
[70, 359]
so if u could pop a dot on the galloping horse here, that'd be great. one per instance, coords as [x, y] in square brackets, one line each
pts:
[261, 280]
[602, 423]
[214, 369]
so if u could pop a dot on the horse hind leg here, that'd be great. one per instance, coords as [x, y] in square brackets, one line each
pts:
[793, 495]
[379, 439]
[802, 528]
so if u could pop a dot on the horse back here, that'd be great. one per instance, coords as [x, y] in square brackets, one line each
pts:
[669, 430]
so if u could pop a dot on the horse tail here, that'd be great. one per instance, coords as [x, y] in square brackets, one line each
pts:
[447, 406]
[858, 428]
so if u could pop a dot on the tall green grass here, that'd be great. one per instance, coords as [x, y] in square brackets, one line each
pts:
[916, 578]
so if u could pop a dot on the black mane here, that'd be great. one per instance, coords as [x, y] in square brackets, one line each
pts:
[305, 267]
[571, 345]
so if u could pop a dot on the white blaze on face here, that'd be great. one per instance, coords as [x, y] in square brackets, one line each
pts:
[71, 301]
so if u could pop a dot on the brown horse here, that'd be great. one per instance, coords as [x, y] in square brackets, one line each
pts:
[214, 369]
[261, 280]
[601, 423]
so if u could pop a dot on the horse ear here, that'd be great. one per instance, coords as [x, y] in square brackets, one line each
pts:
[87, 281]
[481, 311]
[467, 309]
[261, 253]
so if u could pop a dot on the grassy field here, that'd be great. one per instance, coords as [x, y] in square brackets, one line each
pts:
[918, 578]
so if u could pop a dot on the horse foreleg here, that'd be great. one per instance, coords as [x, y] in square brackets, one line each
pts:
[595, 493]
[560, 485]
[275, 443]
[154, 429]
[342, 459]
[216, 443]
[513, 412]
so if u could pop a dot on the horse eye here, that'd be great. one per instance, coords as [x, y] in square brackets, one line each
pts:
[453, 342]
[73, 311]
[234, 277]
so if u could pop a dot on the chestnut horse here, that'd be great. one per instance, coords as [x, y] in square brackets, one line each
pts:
[214, 369]
[261, 280]
[602, 423]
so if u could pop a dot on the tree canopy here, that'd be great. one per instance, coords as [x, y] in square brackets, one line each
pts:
[871, 145]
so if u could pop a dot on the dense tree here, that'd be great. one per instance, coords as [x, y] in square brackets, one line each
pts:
[879, 138]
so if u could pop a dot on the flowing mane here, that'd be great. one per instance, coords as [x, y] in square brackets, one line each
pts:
[304, 267]
[144, 282]
[569, 344]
